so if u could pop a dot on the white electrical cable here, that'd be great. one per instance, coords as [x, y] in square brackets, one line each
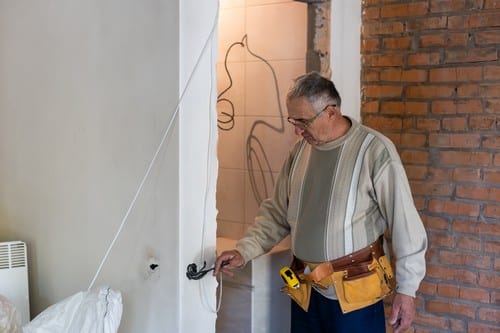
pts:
[153, 160]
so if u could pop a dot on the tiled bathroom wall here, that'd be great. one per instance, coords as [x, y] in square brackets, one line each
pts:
[263, 45]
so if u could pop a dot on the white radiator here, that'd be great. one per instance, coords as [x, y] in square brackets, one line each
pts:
[14, 277]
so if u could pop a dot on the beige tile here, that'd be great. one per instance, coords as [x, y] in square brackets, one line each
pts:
[261, 95]
[269, 140]
[234, 82]
[229, 229]
[278, 31]
[231, 29]
[266, 2]
[255, 194]
[230, 195]
[231, 146]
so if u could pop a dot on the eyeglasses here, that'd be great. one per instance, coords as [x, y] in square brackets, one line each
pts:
[305, 123]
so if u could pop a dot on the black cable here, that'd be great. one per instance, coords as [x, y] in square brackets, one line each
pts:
[192, 272]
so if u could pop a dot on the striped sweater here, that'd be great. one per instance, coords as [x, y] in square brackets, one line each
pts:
[339, 197]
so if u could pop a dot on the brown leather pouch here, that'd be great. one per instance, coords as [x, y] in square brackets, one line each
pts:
[301, 295]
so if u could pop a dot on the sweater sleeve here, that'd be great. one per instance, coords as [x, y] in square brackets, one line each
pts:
[409, 239]
[271, 225]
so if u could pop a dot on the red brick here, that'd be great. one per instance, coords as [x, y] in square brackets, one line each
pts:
[408, 9]
[383, 123]
[466, 174]
[490, 90]
[496, 161]
[492, 72]
[431, 188]
[430, 91]
[427, 23]
[396, 43]
[428, 124]
[492, 4]
[469, 106]
[382, 91]
[403, 108]
[457, 74]
[370, 45]
[468, 243]
[413, 140]
[442, 174]
[478, 193]
[468, 90]
[438, 306]
[455, 258]
[448, 290]
[433, 222]
[491, 141]
[438, 6]
[487, 37]
[370, 107]
[450, 274]
[492, 211]
[475, 327]
[427, 319]
[444, 107]
[457, 325]
[455, 124]
[488, 314]
[474, 294]
[483, 123]
[415, 156]
[443, 40]
[381, 28]
[383, 60]
[428, 288]
[424, 59]
[489, 280]
[371, 13]
[493, 247]
[399, 75]
[416, 172]
[453, 208]
[454, 140]
[472, 55]
[477, 228]
[369, 75]
[492, 176]
[465, 158]
[492, 105]
[483, 19]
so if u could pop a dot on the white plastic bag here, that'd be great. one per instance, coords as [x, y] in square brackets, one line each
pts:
[84, 312]
[10, 319]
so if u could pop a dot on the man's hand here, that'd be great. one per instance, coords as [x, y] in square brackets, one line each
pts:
[403, 312]
[227, 261]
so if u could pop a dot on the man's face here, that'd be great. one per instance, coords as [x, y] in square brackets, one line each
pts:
[308, 122]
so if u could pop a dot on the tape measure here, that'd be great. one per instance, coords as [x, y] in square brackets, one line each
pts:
[289, 277]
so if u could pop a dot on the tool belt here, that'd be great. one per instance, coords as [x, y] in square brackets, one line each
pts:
[360, 279]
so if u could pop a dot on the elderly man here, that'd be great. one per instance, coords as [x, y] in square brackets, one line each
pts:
[342, 188]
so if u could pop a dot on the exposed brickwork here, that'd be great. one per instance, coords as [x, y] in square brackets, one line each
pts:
[431, 83]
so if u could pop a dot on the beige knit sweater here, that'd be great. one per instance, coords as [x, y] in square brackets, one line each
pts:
[339, 197]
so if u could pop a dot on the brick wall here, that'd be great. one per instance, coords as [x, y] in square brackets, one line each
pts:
[431, 82]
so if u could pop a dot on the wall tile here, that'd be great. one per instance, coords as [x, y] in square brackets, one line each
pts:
[261, 96]
[278, 31]
[230, 195]
[231, 29]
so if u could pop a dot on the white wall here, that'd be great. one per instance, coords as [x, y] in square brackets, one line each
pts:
[87, 89]
[198, 162]
[345, 54]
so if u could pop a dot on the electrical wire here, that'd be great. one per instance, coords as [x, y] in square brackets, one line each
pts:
[158, 149]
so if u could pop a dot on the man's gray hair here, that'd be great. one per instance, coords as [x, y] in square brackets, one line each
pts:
[318, 90]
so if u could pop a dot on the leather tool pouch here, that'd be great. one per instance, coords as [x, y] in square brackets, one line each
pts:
[363, 284]
[301, 295]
